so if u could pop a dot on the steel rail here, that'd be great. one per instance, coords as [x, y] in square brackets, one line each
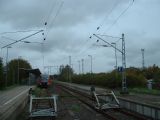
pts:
[134, 115]
[89, 105]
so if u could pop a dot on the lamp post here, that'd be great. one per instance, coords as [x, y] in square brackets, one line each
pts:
[7, 66]
[115, 54]
[142, 50]
[82, 66]
[79, 66]
[91, 62]
[91, 69]
[19, 57]
[69, 70]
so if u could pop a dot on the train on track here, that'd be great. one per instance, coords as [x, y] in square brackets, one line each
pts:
[44, 81]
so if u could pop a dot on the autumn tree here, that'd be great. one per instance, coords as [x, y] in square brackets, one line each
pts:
[2, 82]
[66, 72]
[15, 74]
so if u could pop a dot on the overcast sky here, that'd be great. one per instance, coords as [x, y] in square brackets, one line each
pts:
[70, 23]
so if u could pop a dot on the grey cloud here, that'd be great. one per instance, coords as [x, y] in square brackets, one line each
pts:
[70, 31]
[30, 14]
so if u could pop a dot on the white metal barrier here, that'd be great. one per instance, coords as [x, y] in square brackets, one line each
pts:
[37, 110]
[106, 100]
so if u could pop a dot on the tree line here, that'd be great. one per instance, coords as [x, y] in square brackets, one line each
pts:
[13, 73]
[136, 77]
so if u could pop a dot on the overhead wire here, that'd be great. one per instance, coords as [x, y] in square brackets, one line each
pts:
[58, 11]
[18, 31]
[102, 22]
[106, 16]
[121, 14]
[46, 21]
[47, 29]
[53, 20]
[50, 12]
[108, 36]
[23, 38]
[116, 20]
[87, 40]
[114, 6]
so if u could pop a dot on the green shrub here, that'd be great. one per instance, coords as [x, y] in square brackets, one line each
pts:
[134, 80]
[111, 80]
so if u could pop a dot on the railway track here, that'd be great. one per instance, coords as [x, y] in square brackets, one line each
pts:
[112, 114]
[76, 105]
[42, 106]
[38, 104]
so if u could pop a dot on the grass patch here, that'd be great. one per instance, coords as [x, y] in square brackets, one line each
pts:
[145, 91]
[75, 107]
[40, 92]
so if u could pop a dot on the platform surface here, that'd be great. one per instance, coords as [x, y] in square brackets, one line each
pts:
[9, 98]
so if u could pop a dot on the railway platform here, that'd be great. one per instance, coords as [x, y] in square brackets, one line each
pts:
[12, 101]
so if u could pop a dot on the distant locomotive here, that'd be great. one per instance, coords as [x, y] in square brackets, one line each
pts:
[44, 81]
